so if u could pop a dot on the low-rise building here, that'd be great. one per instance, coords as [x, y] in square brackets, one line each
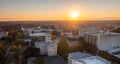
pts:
[93, 60]
[47, 47]
[27, 40]
[115, 52]
[3, 34]
[36, 32]
[85, 58]
[73, 57]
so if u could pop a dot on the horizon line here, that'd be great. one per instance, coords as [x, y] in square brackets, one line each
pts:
[59, 20]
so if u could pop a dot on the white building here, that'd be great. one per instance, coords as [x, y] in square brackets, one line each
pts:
[3, 34]
[27, 40]
[66, 33]
[44, 42]
[52, 50]
[93, 60]
[115, 52]
[103, 40]
[88, 28]
[36, 32]
[47, 47]
[42, 46]
[84, 58]
[73, 57]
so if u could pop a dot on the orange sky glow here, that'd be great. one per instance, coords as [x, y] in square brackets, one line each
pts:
[59, 10]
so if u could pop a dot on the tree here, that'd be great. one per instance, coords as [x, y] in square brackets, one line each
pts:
[16, 49]
[20, 35]
[82, 43]
[81, 40]
[105, 55]
[9, 38]
[2, 51]
[12, 33]
[91, 48]
[76, 48]
[19, 41]
[117, 30]
[63, 47]
[39, 60]
[31, 51]
[56, 33]
[53, 37]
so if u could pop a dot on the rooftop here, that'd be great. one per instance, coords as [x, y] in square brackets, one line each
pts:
[78, 55]
[106, 34]
[115, 52]
[93, 60]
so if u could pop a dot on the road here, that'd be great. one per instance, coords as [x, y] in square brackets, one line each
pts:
[54, 60]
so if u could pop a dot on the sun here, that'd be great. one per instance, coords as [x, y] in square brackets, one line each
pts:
[74, 15]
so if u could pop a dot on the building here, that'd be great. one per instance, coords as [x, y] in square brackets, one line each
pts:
[88, 28]
[42, 38]
[27, 40]
[52, 49]
[84, 58]
[93, 60]
[116, 53]
[73, 57]
[36, 31]
[47, 47]
[103, 40]
[66, 33]
[3, 34]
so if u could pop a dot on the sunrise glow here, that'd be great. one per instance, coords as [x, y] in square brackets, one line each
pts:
[74, 15]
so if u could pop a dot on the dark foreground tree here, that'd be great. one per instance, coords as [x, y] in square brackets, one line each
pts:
[105, 55]
[9, 38]
[31, 52]
[39, 60]
[2, 51]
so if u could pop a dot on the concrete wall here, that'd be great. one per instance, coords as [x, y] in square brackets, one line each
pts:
[52, 50]
[108, 42]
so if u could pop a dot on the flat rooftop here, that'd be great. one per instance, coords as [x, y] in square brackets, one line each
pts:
[105, 34]
[78, 55]
[115, 52]
[93, 60]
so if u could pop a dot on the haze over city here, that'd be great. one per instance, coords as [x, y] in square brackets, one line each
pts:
[59, 9]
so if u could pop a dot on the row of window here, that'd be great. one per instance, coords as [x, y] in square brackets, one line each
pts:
[91, 39]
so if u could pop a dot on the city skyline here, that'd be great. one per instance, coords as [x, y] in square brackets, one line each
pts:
[11, 10]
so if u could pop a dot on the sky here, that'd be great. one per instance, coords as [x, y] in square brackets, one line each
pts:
[58, 9]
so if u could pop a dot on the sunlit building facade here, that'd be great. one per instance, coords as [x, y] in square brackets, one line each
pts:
[103, 40]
